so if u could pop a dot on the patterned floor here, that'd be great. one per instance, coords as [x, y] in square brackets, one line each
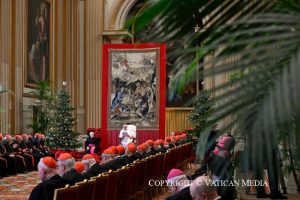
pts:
[18, 187]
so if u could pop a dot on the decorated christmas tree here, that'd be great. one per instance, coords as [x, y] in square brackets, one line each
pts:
[203, 106]
[61, 134]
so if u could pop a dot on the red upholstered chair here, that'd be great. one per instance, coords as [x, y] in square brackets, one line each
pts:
[150, 166]
[112, 185]
[156, 171]
[158, 163]
[150, 175]
[179, 156]
[143, 171]
[101, 184]
[174, 160]
[190, 152]
[123, 184]
[67, 193]
[134, 173]
[167, 161]
[141, 179]
[183, 157]
[86, 189]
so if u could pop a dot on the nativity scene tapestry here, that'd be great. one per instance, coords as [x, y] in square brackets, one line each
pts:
[133, 86]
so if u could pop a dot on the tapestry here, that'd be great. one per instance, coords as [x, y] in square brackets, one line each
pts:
[133, 90]
[133, 79]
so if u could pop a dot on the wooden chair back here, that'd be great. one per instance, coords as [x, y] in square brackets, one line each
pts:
[112, 183]
[67, 193]
[86, 189]
[101, 183]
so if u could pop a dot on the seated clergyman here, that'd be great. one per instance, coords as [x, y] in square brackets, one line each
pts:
[127, 134]
[50, 180]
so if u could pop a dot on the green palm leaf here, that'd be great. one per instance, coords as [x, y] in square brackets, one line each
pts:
[266, 58]
[257, 39]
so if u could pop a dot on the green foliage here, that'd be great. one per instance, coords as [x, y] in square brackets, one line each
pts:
[260, 39]
[203, 106]
[61, 134]
[43, 106]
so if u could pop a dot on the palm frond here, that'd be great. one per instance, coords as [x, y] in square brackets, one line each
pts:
[43, 91]
[266, 97]
[260, 40]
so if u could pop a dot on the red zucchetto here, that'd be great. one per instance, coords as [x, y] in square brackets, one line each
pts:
[65, 156]
[49, 162]
[87, 157]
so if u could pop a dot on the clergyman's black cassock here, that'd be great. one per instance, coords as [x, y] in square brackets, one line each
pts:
[11, 161]
[45, 190]
[95, 141]
[72, 177]
[113, 164]
[97, 169]
[3, 167]
[20, 163]
[131, 159]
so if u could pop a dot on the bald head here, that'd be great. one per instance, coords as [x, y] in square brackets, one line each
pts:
[202, 188]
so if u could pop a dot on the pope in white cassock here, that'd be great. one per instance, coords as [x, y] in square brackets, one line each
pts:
[127, 134]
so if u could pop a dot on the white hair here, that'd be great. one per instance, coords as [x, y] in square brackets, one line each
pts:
[89, 162]
[92, 133]
[47, 169]
[203, 184]
[107, 157]
[69, 164]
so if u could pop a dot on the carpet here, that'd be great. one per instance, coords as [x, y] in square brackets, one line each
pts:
[18, 187]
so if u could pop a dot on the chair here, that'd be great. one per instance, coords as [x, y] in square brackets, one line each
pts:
[123, 184]
[167, 161]
[112, 183]
[159, 165]
[141, 180]
[141, 184]
[67, 193]
[143, 171]
[179, 155]
[133, 181]
[86, 189]
[150, 175]
[150, 168]
[101, 183]
[158, 173]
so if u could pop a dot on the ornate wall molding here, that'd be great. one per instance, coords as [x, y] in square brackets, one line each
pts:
[117, 13]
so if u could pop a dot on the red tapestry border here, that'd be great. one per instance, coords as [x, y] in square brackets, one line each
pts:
[110, 137]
